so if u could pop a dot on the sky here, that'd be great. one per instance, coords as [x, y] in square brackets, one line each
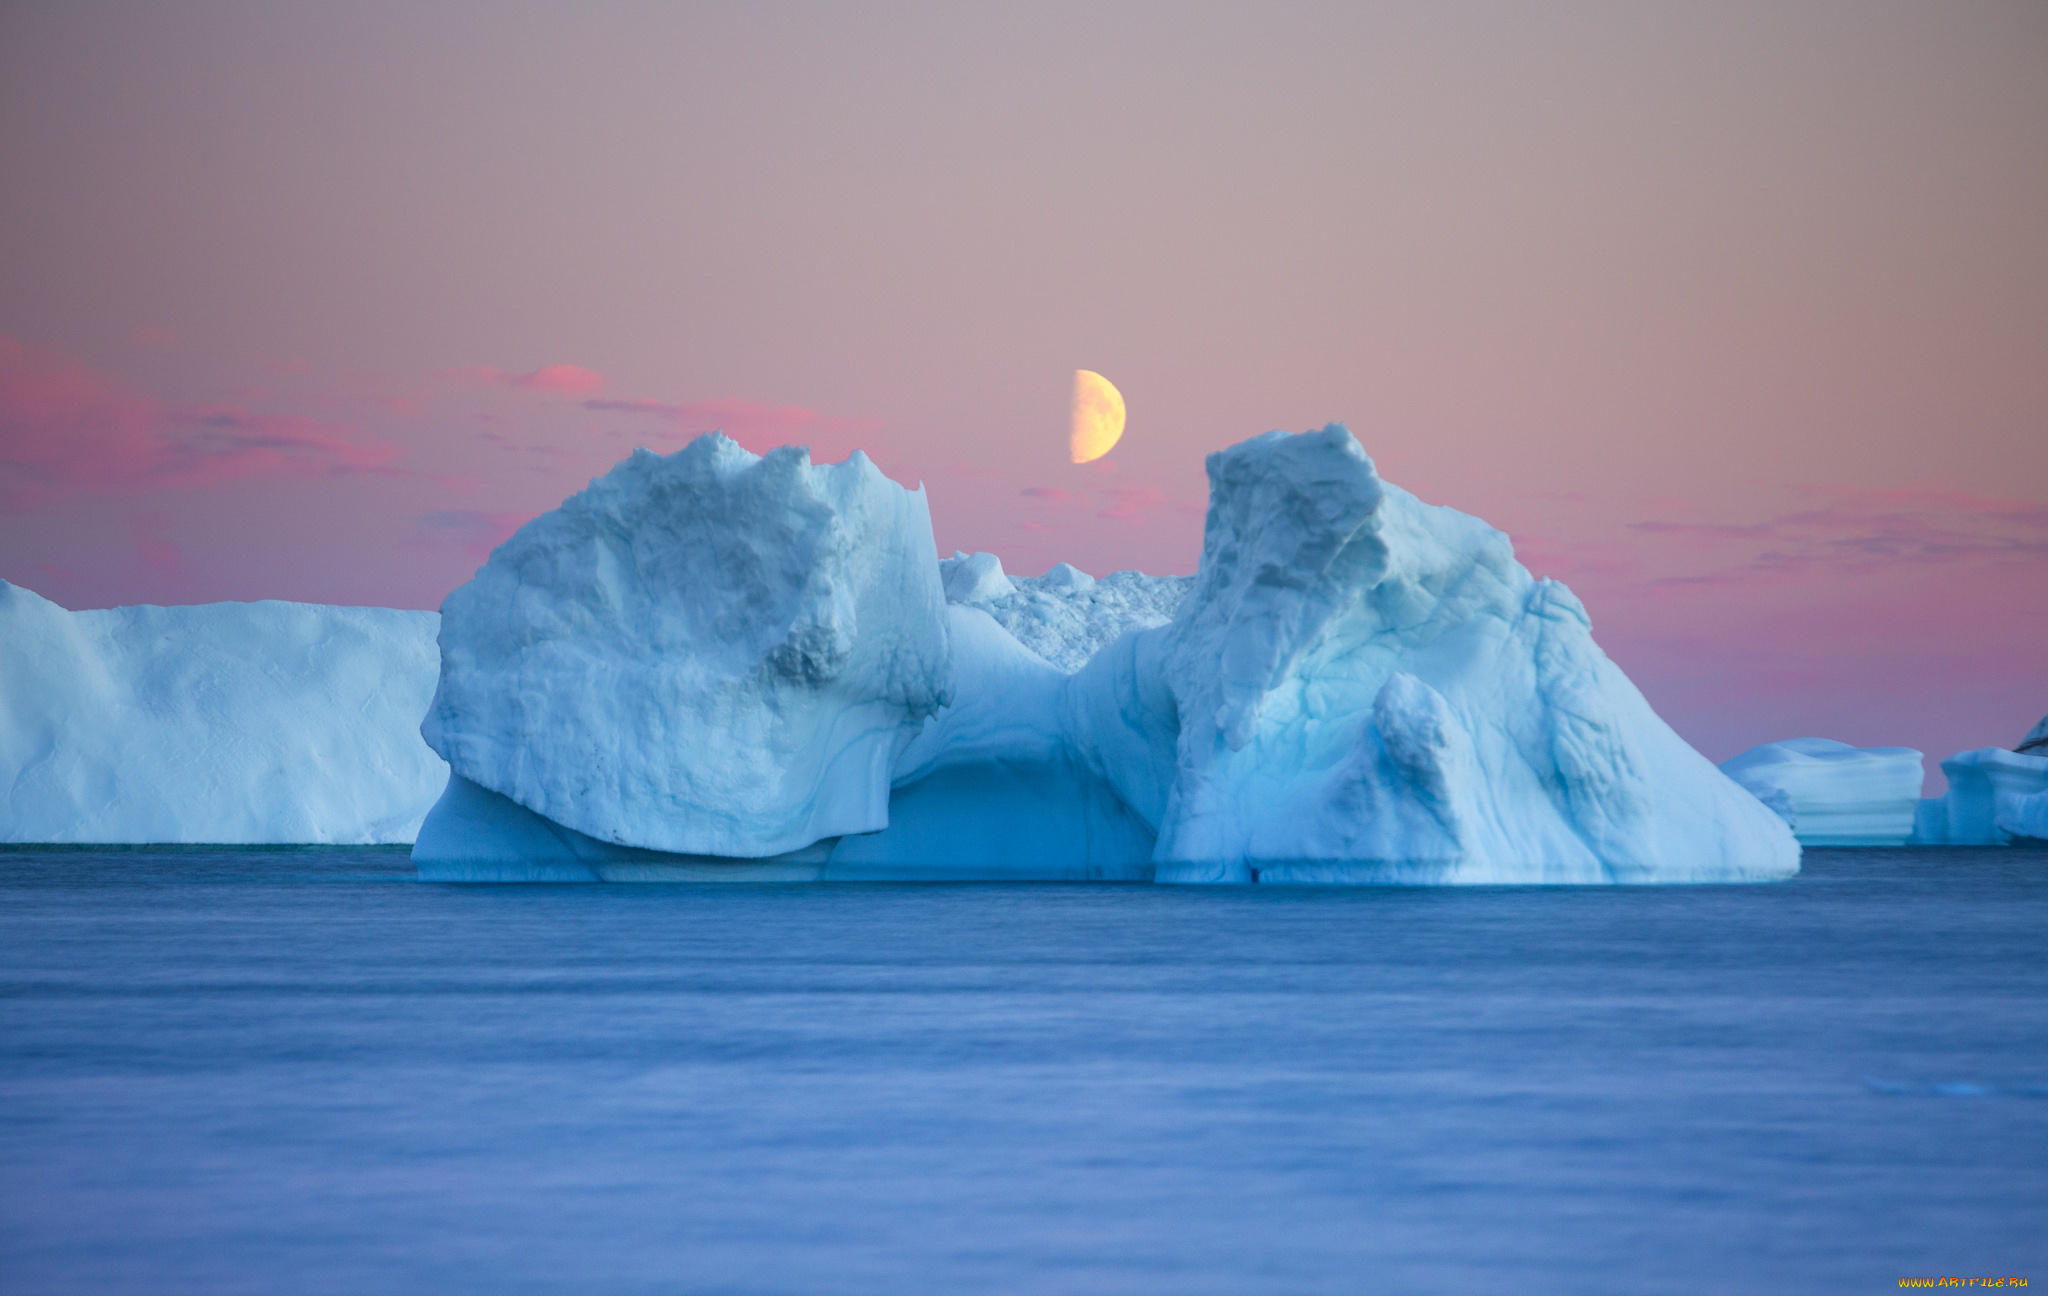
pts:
[1734, 316]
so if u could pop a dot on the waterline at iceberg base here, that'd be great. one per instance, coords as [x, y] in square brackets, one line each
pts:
[713, 664]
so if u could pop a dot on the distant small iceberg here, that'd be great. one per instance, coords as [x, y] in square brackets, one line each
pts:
[1832, 794]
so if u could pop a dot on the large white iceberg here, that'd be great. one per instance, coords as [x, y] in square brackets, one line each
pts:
[1365, 688]
[1833, 794]
[704, 653]
[242, 723]
[1357, 687]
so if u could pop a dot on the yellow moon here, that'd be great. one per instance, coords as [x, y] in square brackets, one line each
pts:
[1098, 416]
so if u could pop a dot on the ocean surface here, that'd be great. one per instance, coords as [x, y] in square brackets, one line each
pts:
[307, 1072]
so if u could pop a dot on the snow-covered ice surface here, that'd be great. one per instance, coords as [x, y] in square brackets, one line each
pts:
[1833, 794]
[1065, 616]
[233, 723]
[1356, 687]
[704, 653]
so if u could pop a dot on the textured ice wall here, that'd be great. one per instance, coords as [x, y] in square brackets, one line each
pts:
[245, 723]
[1994, 796]
[1065, 616]
[1362, 687]
[704, 653]
[1833, 794]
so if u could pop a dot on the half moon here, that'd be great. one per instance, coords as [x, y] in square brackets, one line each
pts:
[1098, 416]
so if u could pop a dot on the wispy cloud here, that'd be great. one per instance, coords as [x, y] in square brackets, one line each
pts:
[1853, 530]
[564, 379]
[65, 429]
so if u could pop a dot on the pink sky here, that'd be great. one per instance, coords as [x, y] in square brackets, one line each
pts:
[1734, 317]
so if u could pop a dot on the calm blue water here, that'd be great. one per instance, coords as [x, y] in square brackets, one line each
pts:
[307, 1072]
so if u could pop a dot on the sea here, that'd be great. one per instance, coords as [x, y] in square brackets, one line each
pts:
[305, 1071]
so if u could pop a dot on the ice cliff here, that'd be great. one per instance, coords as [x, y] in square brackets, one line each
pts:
[705, 653]
[712, 664]
[223, 722]
[1833, 794]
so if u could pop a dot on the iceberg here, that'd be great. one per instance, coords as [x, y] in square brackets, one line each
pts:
[1362, 687]
[716, 665]
[1995, 797]
[1833, 794]
[220, 723]
[709, 653]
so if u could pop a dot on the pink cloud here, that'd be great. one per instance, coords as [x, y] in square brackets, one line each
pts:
[66, 429]
[1047, 494]
[564, 379]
